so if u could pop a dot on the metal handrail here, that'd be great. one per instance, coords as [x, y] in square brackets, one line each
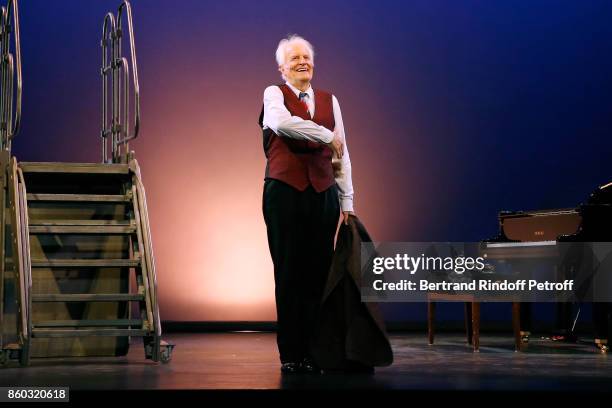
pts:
[128, 9]
[21, 255]
[124, 84]
[27, 266]
[119, 68]
[140, 202]
[10, 69]
[142, 251]
[148, 243]
[108, 30]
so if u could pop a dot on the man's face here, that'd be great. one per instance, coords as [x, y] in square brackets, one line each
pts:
[298, 67]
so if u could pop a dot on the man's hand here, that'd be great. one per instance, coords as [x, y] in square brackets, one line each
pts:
[336, 145]
[345, 215]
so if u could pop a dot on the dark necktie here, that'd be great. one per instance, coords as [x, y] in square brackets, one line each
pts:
[303, 96]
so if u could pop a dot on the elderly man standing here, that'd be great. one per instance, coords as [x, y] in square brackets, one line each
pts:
[307, 183]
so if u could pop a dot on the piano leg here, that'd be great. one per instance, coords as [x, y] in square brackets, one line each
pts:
[431, 310]
[524, 313]
[516, 325]
[476, 325]
[600, 322]
[468, 322]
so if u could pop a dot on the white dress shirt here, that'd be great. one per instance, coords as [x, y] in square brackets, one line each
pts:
[278, 118]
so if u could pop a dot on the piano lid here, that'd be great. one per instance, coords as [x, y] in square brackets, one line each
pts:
[590, 221]
[541, 225]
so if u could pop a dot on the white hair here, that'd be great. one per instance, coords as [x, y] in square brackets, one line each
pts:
[281, 50]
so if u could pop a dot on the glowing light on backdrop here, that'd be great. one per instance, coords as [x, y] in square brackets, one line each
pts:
[445, 109]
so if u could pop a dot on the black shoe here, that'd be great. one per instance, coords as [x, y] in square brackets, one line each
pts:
[565, 338]
[291, 368]
[310, 367]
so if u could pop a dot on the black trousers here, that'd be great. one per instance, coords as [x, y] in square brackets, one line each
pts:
[301, 228]
[601, 316]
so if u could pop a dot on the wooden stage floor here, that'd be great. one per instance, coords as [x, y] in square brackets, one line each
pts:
[248, 361]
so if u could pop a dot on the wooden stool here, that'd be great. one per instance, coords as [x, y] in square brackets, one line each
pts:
[472, 318]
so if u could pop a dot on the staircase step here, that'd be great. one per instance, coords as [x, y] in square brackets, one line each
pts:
[82, 227]
[87, 323]
[104, 198]
[40, 333]
[83, 168]
[44, 222]
[85, 263]
[88, 297]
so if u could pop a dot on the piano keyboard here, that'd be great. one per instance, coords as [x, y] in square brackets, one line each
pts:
[520, 244]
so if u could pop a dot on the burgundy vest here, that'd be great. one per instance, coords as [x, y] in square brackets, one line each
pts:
[301, 163]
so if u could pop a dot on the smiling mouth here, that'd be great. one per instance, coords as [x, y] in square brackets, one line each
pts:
[302, 70]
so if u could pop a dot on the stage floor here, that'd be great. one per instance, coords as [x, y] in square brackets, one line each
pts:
[247, 360]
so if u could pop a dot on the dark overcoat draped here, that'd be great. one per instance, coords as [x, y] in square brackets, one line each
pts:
[349, 331]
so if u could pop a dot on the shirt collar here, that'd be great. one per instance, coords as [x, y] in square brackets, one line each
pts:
[297, 92]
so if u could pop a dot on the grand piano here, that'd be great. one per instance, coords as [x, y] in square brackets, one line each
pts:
[536, 233]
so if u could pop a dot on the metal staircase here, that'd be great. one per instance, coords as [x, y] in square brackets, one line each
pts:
[78, 277]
